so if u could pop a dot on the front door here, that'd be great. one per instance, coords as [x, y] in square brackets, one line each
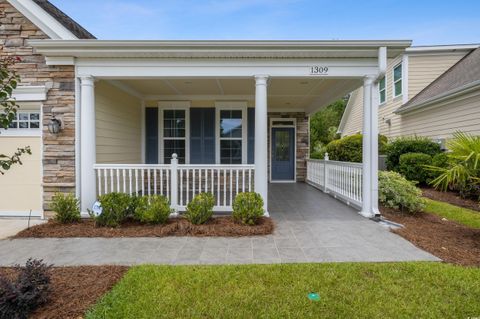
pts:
[283, 154]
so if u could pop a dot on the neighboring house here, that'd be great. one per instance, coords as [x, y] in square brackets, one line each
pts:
[428, 91]
[235, 112]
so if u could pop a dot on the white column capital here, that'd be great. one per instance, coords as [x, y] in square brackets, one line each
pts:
[368, 80]
[261, 79]
[87, 80]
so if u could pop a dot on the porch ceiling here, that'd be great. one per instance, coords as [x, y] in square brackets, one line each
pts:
[302, 94]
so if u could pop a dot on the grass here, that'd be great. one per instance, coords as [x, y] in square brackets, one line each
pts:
[458, 214]
[347, 290]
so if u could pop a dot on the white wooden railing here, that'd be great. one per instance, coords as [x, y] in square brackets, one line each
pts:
[178, 182]
[340, 179]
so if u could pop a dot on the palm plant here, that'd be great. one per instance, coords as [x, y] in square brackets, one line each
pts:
[463, 163]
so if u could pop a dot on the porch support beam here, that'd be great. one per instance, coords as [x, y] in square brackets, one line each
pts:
[370, 150]
[261, 142]
[87, 143]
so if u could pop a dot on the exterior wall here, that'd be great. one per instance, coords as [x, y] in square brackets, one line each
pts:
[423, 69]
[118, 125]
[21, 185]
[302, 141]
[58, 151]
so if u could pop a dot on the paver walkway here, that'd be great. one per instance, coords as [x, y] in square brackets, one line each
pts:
[311, 227]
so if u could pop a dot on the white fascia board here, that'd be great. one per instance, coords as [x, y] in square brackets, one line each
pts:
[59, 60]
[49, 25]
[30, 93]
[440, 48]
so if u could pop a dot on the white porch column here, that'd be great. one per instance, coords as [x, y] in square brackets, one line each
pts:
[367, 152]
[374, 150]
[87, 143]
[261, 142]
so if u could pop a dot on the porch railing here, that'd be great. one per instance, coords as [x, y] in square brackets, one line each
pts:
[178, 182]
[341, 179]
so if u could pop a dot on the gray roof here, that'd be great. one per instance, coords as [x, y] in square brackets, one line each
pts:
[462, 75]
[65, 20]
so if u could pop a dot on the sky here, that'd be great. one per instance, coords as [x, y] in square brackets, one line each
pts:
[425, 22]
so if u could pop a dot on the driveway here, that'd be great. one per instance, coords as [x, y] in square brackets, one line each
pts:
[311, 227]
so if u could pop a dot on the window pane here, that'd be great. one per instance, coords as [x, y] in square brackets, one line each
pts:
[13, 125]
[174, 123]
[382, 96]
[282, 146]
[231, 123]
[23, 116]
[398, 88]
[34, 124]
[23, 125]
[174, 146]
[34, 116]
[397, 73]
[381, 85]
[231, 152]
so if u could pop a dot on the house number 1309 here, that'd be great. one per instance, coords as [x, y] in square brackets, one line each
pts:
[319, 70]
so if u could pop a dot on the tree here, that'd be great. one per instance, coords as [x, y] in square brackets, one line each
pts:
[324, 125]
[8, 109]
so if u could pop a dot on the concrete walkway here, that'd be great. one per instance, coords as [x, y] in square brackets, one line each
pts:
[311, 227]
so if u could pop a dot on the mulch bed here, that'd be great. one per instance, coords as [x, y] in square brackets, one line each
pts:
[452, 242]
[451, 198]
[74, 289]
[216, 227]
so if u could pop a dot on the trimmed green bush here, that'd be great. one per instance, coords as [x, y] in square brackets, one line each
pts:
[153, 210]
[66, 208]
[349, 148]
[200, 209]
[395, 191]
[248, 208]
[115, 209]
[412, 167]
[404, 145]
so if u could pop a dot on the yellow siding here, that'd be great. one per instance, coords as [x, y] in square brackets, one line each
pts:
[21, 186]
[118, 126]
[354, 121]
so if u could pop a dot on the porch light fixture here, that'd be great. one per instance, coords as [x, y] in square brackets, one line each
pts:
[54, 125]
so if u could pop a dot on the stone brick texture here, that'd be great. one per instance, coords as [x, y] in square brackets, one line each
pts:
[58, 150]
[302, 140]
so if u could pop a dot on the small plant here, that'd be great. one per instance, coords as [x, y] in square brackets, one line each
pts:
[248, 208]
[200, 209]
[153, 210]
[115, 209]
[405, 145]
[66, 208]
[412, 166]
[31, 289]
[397, 192]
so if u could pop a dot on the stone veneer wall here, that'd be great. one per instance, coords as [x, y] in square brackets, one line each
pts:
[302, 140]
[58, 151]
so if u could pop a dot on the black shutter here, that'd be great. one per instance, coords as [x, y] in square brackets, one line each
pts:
[251, 135]
[202, 135]
[151, 135]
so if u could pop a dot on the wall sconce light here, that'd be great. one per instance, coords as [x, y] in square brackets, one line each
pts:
[55, 125]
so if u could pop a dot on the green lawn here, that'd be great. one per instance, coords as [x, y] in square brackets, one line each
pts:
[458, 214]
[347, 290]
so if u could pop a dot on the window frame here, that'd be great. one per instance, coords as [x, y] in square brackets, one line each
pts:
[384, 79]
[395, 95]
[173, 106]
[27, 132]
[231, 106]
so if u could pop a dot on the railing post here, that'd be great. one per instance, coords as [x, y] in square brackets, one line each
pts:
[325, 173]
[174, 183]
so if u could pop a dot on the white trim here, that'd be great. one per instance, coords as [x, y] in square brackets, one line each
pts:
[39, 17]
[405, 78]
[35, 214]
[59, 60]
[173, 105]
[231, 105]
[454, 47]
[294, 126]
[143, 135]
[394, 95]
[77, 136]
[30, 93]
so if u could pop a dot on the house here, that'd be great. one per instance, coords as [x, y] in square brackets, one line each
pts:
[429, 91]
[171, 117]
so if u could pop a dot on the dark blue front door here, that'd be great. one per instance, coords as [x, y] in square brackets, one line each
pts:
[283, 154]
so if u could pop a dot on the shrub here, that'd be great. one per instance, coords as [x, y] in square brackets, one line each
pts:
[31, 289]
[66, 208]
[248, 208]
[200, 209]
[405, 145]
[412, 167]
[153, 210]
[397, 192]
[115, 209]
[349, 148]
